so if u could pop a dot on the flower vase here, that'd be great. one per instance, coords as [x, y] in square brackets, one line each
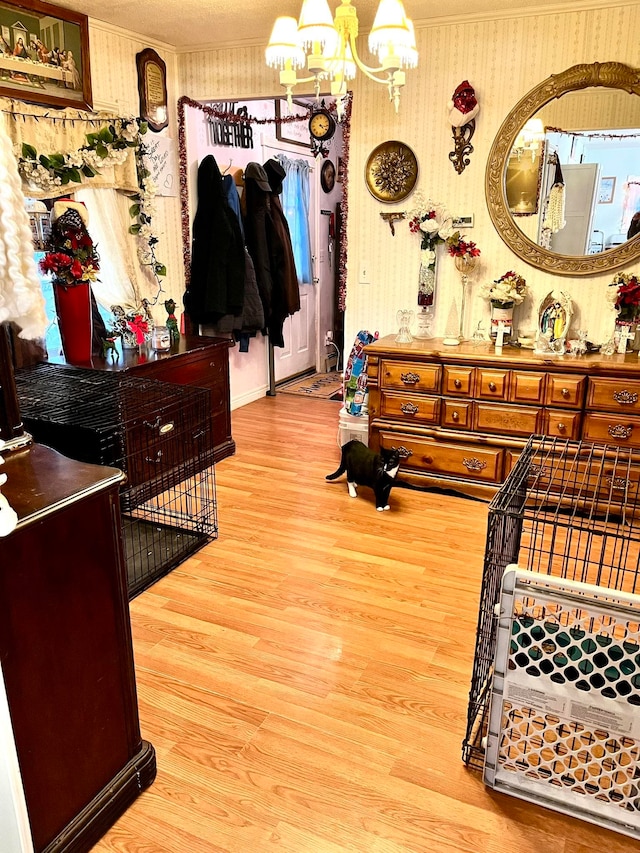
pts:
[426, 296]
[73, 307]
[501, 312]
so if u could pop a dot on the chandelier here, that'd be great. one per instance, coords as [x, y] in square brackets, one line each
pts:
[327, 47]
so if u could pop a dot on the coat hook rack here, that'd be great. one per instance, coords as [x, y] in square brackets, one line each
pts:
[391, 218]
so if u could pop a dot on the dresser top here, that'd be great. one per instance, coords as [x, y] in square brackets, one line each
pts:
[434, 350]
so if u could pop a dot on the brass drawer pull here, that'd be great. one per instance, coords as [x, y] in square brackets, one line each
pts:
[457, 383]
[403, 452]
[409, 408]
[427, 460]
[455, 416]
[410, 378]
[472, 463]
[492, 386]
[565, 392]
[617, 482]
[561, 427]
[625, 398]
[620, 431]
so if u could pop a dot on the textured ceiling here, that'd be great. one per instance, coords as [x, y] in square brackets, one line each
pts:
[190, 23]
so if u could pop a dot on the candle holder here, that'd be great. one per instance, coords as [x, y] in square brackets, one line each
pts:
[465, 264]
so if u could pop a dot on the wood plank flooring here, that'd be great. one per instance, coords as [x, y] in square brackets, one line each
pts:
[304, 678]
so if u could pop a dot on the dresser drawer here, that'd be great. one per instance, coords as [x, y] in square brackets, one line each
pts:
[613, 428]
[526, 387]
[410, 407]
[614, 395]
[563, 390]
[492, 384]
[457, 414]
[458, 381]
[425, 455]
[561, 423]
[410, 375]
[507, 420]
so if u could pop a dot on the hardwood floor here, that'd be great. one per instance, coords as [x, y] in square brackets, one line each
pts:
[304, 678]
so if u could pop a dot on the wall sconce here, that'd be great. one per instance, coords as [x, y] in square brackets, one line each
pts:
[463, 109]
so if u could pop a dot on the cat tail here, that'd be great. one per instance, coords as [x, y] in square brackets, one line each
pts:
[337, 473]
[403, 484]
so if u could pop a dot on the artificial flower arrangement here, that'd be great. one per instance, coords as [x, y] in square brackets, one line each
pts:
[509, 289]
[626, 296]
[433, 223]
[458, 247]
[133, 325]
[73, 258]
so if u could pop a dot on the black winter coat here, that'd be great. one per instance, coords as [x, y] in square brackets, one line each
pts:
[217, 280]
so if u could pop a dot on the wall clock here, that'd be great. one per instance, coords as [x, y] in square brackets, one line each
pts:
[328, 176]
[152, 89]
[391, 171]
[322, 125]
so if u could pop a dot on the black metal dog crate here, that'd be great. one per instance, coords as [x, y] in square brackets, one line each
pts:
[158, 433]
[567, 509]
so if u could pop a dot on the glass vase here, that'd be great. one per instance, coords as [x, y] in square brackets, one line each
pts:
[426, 285]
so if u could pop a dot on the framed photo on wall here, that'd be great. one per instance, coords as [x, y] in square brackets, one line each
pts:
[44, 54]
[294, 132]
[152, 89]
[606, 190]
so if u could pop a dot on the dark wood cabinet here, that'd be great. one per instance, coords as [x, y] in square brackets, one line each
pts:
[193, 360]
[66, 650]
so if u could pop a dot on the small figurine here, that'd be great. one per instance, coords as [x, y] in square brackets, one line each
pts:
[109, 348]
[172, 323]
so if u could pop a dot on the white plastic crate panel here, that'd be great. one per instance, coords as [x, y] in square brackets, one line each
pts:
[564, 721]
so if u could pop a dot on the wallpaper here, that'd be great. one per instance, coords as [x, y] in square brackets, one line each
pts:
[503, 57]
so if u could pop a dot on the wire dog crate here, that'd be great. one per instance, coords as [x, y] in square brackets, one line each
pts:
[159, 434]
[566, 509]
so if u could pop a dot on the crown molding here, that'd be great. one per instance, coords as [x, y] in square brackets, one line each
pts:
[565, 8]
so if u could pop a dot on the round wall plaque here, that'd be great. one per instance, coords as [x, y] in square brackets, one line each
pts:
[391, 171]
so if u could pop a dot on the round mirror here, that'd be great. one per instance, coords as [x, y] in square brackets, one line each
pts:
[521, 168]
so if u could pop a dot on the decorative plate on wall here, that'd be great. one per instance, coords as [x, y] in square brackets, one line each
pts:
[328, 176]
[391, 171]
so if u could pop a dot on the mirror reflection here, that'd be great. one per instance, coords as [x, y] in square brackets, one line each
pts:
[572, 176]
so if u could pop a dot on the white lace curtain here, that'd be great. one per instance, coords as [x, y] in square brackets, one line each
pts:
[121, 280]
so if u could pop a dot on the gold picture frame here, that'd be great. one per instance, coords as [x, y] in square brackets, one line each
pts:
[523, 179]
[44, 54]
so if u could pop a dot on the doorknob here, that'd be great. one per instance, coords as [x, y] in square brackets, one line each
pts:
[315, 279]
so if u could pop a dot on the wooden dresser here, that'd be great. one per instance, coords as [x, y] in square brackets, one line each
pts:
[66, 650]
[193, 360]
[460, 415]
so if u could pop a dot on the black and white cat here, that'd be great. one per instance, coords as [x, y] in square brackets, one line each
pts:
[366, 468]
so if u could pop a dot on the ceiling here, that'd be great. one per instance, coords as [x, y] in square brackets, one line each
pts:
[195, 23]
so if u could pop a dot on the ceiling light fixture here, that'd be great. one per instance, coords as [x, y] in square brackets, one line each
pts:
[327, 46]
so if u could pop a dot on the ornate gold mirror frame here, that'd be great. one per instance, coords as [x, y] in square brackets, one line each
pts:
[613, 75]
